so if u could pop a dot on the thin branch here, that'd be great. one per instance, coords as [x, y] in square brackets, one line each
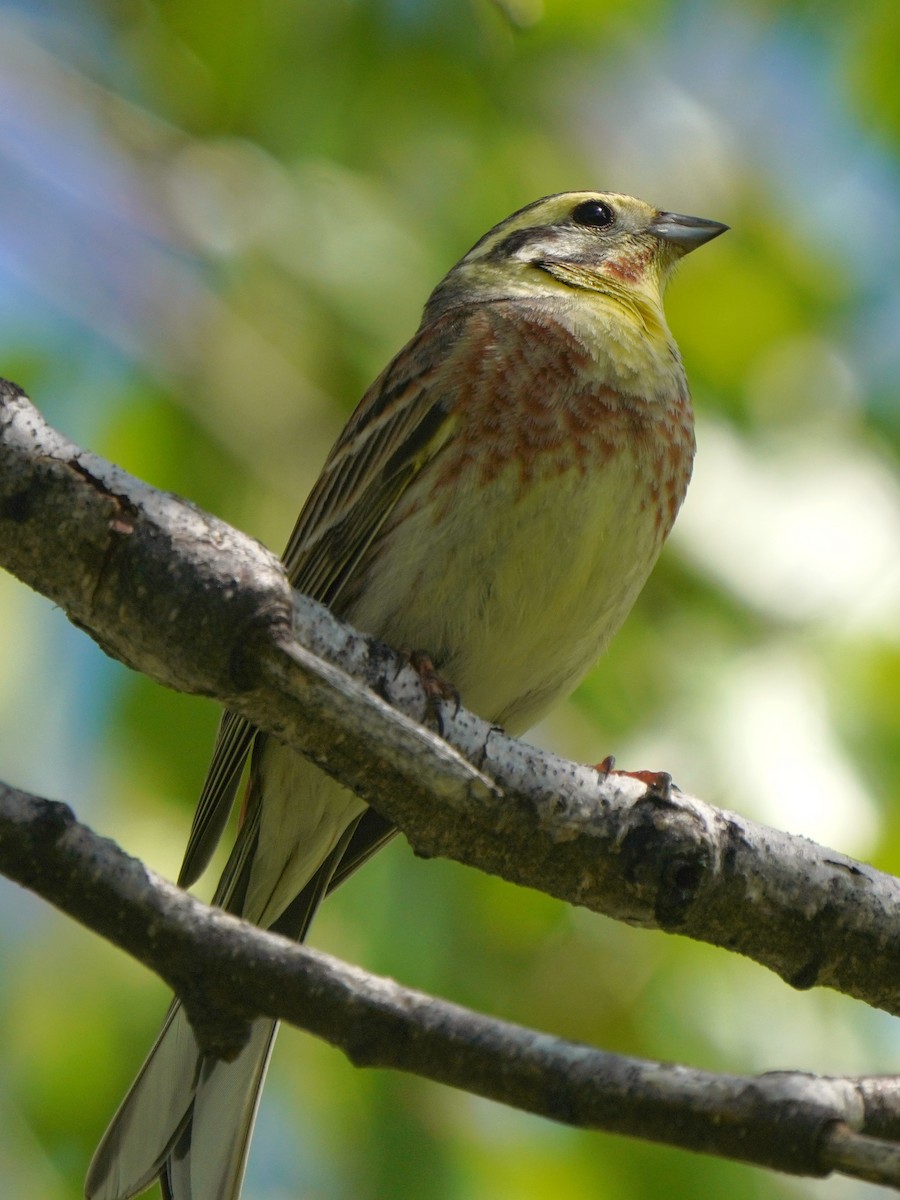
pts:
[787, 1121]
[200, 607]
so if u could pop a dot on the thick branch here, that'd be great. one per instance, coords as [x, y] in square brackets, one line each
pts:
[787, 1121]
[200, 607]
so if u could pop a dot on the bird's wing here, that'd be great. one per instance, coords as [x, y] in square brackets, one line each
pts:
[401, 422]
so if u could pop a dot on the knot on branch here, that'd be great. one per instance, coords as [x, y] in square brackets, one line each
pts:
[162, 586]
[808, 1107]
[667, 852]
[212, 594]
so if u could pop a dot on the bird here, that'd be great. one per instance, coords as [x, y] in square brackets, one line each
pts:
[497, 499]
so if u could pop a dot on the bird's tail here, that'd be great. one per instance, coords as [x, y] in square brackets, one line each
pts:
[186, 1119]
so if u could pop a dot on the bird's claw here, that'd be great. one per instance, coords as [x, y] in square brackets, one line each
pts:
[658, 783]
[437, 689]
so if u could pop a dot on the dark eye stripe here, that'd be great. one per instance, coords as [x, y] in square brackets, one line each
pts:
[511, 243]
[514, 241]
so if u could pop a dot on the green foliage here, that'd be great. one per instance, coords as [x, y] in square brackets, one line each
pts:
[287, 180]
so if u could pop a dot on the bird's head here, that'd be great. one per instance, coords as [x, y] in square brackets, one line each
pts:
[599, 243]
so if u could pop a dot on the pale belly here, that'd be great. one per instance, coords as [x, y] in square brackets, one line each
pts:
[514, 591]
[515, 594]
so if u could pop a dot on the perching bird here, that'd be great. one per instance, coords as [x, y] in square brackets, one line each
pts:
[497, 500]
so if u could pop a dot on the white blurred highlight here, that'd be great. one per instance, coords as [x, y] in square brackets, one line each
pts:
[778, 751]
[803, 528]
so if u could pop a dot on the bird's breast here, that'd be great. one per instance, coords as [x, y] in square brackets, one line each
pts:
[517, 552]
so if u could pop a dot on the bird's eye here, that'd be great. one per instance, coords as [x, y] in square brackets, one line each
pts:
[593, 212]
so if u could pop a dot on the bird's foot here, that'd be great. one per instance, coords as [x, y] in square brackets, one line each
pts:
[659, 783]
[437, 688]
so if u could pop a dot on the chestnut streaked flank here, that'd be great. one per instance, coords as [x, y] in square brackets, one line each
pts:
[497, 500]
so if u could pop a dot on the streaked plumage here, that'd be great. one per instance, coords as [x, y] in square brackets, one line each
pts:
[497, 499]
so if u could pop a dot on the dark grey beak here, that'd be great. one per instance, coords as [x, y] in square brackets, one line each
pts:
[685, 232]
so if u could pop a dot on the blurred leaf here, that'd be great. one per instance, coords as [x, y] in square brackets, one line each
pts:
[219, 221]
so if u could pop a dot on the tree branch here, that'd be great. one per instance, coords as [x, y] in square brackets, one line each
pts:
[787, 1121]
[202, 608]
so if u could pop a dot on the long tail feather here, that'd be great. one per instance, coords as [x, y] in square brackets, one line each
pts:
[188, 1119]
[150, 1117]
[185, 1119]
[203, 1164]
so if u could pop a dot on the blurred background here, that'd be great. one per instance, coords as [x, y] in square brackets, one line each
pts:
[217, 223]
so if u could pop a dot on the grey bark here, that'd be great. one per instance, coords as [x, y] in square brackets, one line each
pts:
[199, 607]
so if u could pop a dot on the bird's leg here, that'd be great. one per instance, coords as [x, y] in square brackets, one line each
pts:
[437, 689]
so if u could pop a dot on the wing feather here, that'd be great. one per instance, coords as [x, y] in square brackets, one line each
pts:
[233, 742]
[401, 422]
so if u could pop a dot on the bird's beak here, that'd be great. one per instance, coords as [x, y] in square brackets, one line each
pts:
[687, 233]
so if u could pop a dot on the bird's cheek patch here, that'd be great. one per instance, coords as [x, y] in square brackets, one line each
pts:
[630, 267]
